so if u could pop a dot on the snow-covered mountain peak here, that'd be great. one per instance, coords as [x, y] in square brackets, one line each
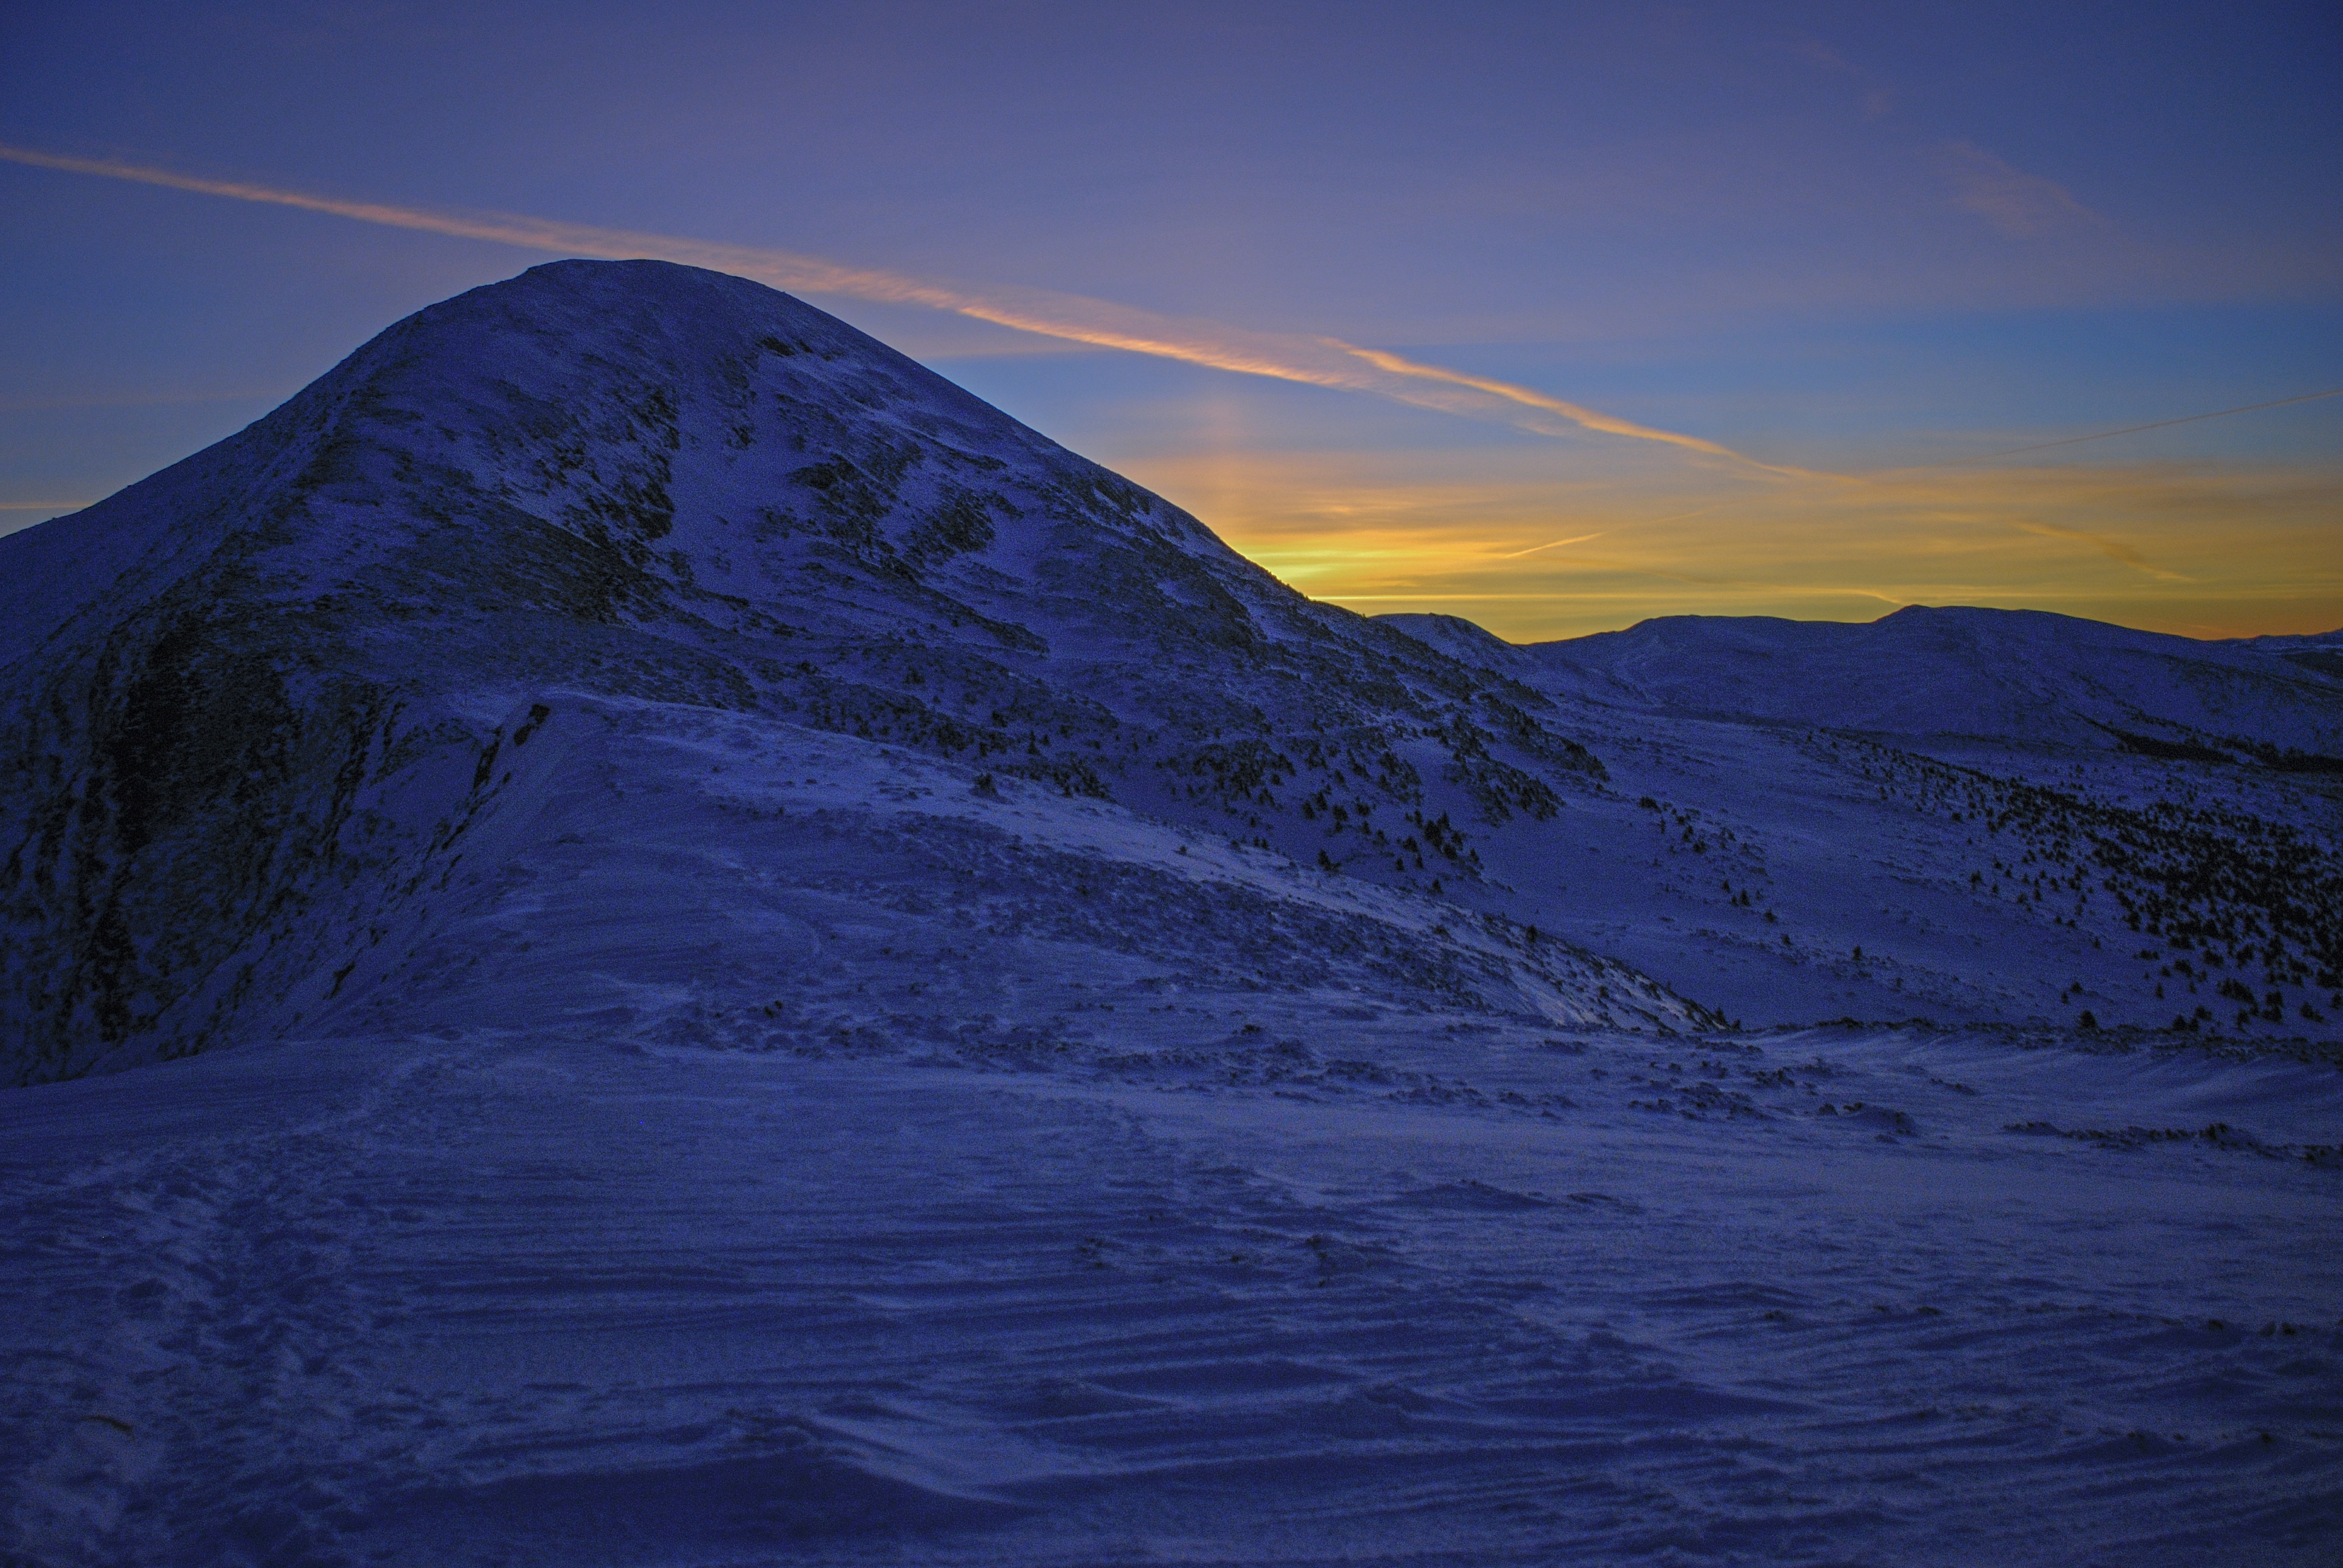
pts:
[276, 678]
[611, 441]
[304, 724]
[819, 978]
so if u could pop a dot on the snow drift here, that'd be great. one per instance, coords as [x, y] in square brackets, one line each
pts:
[818, 980]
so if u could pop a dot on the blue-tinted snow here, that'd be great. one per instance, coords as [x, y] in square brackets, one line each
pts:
[785, 973]
[1367, 1289]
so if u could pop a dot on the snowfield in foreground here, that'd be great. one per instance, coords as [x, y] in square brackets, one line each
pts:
[635, 932]
[795, 1153]
[1263, 1285]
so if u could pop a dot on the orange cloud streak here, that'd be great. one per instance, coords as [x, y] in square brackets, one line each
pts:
[1587, 418]
[1285, 357]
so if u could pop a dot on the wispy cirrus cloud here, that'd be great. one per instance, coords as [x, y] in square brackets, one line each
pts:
[2018, 204]
[1877, 97]
[2110, 434]
[1584, 418]
[1286, 356]
[2107, 545]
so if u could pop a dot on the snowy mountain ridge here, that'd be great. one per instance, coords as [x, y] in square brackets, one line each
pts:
[270, 693]
[2010, 677]
[814, 979]
[269, 689]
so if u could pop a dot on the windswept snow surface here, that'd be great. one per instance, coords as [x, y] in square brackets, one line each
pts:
[798, 1157]
[1948, 814]
[732, 959]
[1366, 1287]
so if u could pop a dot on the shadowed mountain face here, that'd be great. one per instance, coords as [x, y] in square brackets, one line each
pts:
[267, 696]
[849, 987]
[627, 642]
[852, 988]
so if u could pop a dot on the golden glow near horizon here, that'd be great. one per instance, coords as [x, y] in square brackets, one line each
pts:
[2200, 550]
[1554, 541]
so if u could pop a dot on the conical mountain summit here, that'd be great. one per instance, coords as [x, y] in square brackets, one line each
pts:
[635, 651]
[267, 694]
[815, 976]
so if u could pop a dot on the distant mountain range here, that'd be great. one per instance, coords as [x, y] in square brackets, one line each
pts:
[2018, 676]
[634, 643]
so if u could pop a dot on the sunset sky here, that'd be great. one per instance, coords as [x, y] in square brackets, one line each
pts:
[1554, 316]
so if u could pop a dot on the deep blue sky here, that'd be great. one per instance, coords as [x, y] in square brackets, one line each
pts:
[1835, 238]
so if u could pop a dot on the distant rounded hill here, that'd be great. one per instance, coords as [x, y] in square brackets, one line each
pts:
[2025, 676]
[632, 649]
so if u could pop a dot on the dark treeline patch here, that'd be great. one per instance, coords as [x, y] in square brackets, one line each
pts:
[2166, 751]
[181, 802]
[2221, 887]
[2322, 661]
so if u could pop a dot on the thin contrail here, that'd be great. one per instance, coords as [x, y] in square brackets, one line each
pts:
[1552, 545]
[1645, 522]
[1285, 357]
[1588, 418]
[2103, 435]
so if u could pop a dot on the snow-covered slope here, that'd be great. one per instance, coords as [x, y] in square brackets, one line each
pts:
[268, 700]
[815, 979]
[265, 698]
[1959, 814]
[1255, 1283]
[2010, 676]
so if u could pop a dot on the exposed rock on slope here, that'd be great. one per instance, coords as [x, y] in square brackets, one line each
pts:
[402, 698]
[269, 697]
